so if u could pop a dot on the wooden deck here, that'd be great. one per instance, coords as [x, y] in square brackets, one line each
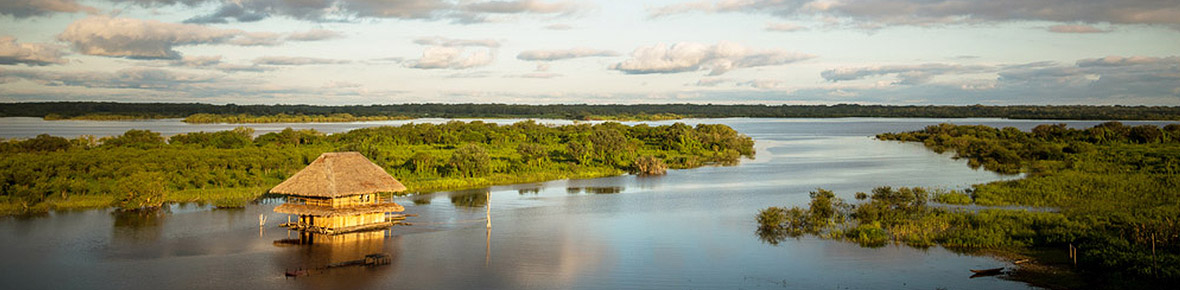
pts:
[390, 220]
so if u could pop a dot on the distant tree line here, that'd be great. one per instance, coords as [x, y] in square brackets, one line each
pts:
[97, 110]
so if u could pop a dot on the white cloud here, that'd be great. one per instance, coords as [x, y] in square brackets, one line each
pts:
[784, 27]
[462, 11]
[560, 54]
[314, 35]
[690, 56]
[925, 12]
[135, 78]
[451, 42]
[33, 54]
[906, 74]
[295, 60]
[30, 8]
[451, 53]
[134, 38]
[441, 57]
[1076, 29]
[537, 75]
[559, 27]
[712, 82]
[151, 39]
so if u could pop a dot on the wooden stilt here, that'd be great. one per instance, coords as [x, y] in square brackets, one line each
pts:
[488, 205]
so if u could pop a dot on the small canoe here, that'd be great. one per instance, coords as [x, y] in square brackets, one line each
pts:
[992, 271]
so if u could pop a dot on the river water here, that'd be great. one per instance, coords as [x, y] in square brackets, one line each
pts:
[689, 229]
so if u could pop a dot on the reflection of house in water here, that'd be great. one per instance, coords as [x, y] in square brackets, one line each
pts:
[338, 213]
[329, 260]
[324, 249]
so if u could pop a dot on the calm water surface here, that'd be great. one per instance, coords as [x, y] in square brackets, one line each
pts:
[690, 229]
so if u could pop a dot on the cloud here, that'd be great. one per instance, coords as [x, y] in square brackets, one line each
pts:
[230, 10]
[762, 84]
[907, 74]
[256, 39]
[522, 6]
[351, 10]
[784, 27]
[294, 60]
[1076, 29]
[451, 42]
[33, 54]
[690, 56]
[1113, 61]
[133, 78]
[926, 12]
[30, 8]
[537, 75]
[213, 62]
[198, 61]
[560, 54]
[712, 82]
[134, 38]
[441, 57]
[315, 35]
[151, 39]
[1106, 80]
[559, 27]
[450, 53]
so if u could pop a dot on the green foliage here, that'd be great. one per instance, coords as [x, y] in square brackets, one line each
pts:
[142, 139]
[1114, 190]
[237, 138]
[470, 161]
[41, 143]
[284, 118]
[140, 190]
[229, 168]
[952, 197]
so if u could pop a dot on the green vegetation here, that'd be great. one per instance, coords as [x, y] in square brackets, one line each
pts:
[644, 112]
[642, 116]
[1112, 191]
[229, 168]
[284, 118]
[104, 117]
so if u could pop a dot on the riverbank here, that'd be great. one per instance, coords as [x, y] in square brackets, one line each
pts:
[231, 168]
[1114, 188]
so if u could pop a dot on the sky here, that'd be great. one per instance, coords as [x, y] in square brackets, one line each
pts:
[336, 52]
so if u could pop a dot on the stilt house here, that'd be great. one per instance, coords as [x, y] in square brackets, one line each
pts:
[338, 193]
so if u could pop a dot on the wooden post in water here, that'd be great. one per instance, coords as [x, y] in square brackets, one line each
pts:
[488, 205]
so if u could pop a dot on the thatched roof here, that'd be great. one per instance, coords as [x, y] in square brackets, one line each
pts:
[327, 211]
[337, 174]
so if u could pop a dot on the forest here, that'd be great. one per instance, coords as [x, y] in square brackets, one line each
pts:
[111, 110]
[140, 168]
[1111, 193]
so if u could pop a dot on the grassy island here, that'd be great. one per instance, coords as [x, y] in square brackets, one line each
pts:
[1110, 194]
[285, 118]
[230, 168]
